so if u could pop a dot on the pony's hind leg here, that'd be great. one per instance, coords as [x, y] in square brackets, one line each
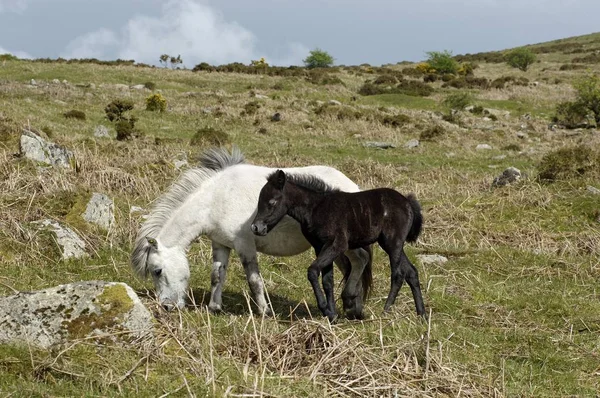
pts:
[220, 255]
[353, 290]
[412, 278]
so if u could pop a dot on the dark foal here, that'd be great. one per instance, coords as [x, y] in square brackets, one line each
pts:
[334, 221]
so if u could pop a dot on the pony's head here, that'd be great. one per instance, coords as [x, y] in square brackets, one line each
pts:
[169, 269]
[272, 204]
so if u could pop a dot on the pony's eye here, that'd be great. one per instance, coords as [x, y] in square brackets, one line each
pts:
[272, 202]
[157, 272]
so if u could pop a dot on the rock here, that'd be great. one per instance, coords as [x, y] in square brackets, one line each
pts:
[91, 86]
[120, 86]
[522, 135]
[499, 157]
[100, 210]
[138, 87]
[377, 144]
[207, 110]
[276, 117]
[55, 81]
[412, 144]
[486, 119]
[108, 311]
[508, 176]
[593, 190]
[33, 82]
[71, 244]
[260, 96]
[65, 82]
[101, 131]
[34, 147]
[483, 147]
[469, 108]
[319, 103]
[334, 102]
[427, 259]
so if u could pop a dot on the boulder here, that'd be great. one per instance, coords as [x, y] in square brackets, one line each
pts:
[593, 190]
[100, 210]
[101, 131]
[483, 147]
[508, 176]
[378, 144]
[72, 246]
[34, 147]
[138, 87]
[412, 144]
[108, 311]
[427, 259]
[334, 102]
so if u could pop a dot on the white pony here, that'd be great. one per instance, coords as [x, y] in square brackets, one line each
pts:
[219, 200]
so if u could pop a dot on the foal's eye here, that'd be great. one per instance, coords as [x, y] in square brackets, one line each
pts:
[272, 202]
[157, 272]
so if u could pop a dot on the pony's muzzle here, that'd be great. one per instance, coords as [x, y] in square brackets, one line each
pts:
[259, 229]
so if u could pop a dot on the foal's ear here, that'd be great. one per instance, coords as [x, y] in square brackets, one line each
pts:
[279, 179]
[152, 242]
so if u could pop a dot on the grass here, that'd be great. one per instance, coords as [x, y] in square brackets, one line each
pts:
[514, 310]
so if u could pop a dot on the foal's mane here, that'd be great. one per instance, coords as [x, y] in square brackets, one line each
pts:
[310, 182]
[211, 162]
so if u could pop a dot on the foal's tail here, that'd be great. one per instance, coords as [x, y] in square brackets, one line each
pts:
[367, 275]
[417, 222]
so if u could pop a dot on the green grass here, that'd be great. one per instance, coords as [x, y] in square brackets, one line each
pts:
[514, 310]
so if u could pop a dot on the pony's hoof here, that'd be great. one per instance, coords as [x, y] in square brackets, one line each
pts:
[267, 313]
[215, 308]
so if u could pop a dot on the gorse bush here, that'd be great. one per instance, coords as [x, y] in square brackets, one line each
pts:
[74, 114]
[520, 58]
[150, 86]
[570, 114]
[116, 109]
[156, 103]
[458, 101]
[442, 62]
[209, 136]
[432, 133]
[588, 95]
[568, 163]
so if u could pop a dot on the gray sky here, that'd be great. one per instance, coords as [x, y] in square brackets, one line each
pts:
[283, 31]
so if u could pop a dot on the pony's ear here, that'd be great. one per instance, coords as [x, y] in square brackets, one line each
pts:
[279, 179]
[152, 242]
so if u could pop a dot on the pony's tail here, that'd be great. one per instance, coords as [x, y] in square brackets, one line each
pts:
[417, 222]
[367, 275]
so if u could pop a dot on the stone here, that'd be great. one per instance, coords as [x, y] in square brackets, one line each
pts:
[412, 144]
[34, 147]
[207, 110]
[593, 190]
[101, 131]
[522, 135]
[378, 144]
[427, 259]
[483, 147]
[91, 86]
[507, 177]
[55, 81]
[499, 157]
[71, 245]
[120, 86]
[65, 82]
[100, 210]
[33, 82]
[260, 96]
[138, 87]
[276, 117]
[334, 102]
[486, 119]
[107, 311]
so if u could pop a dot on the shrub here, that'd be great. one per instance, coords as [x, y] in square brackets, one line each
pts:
[150, 86]
[413, 72]
[318, 58]
[571, 67]
[203, 66]
[386, 79]
[477, 110]
[424, 68]
[414, 88]
[209, 136]
[369, 88]
[458, 101]
[430, 78]
[116, 109]
[251, 108]
[432, 133]
[74, 114]
[125, 129]
[8, 57]
[156, 103]
[520, 58]
[468, 82]
[395, 120]
[512, 147]
[442, 62]
[588, 95]
[570, 162]
[467, 69]
[320, 77]
[338, 112]
[570, 115]
[504, 81]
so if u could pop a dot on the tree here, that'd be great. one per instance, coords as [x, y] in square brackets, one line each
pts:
[176, 61]
[588, 95]
[520, 58]
[164, 59]
[318, 58]
[443, 62]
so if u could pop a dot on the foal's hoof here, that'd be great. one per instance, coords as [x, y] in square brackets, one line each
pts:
[355, 316]
[215, 308]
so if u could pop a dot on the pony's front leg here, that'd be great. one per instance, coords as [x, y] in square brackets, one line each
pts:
[324, 265]
[220, 255]
[353, 289]
[247, 252]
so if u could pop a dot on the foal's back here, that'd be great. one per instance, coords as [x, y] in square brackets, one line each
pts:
[363, 216]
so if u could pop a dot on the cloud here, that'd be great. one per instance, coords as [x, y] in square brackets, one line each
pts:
[13, 5]
[188, 28]
[18, 54]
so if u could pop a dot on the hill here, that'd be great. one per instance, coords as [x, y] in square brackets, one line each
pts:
[514, 309]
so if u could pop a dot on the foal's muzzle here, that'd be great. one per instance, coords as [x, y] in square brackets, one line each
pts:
[259, 229]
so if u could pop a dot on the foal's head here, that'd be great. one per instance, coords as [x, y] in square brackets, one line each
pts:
[272, 204]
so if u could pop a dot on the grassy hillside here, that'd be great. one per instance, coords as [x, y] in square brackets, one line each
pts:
[515, 310]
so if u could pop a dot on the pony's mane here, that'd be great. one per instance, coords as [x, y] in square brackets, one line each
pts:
[211, 162]
[307, 181]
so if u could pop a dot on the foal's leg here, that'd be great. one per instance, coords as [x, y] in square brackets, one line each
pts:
[352, 293]
[247, 253]
[412, 278]
[394, 249]
[217, 276]
[323, 264]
